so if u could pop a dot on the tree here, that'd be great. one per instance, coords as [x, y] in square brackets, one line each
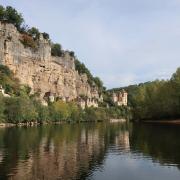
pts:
[43, 112]
[20, 109]
[74, 112]
[2, 108]
[12, 16]
[59, 111]
[72, 54]
[98, 82]
[2, 13]
[56, 50]
[45, 35]
[8, 81]
[34, 32]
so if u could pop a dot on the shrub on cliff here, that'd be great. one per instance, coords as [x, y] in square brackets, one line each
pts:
[46, 36]
[10, 15]
[56, 50]
[2, 13]
[8, 81]
[82, 69]
[28, 41]
[34, 33]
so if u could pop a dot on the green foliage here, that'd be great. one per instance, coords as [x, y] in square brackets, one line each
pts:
[95, 114]
[2, 13]
[7, 80]
[98, 82]
[2, 108]
[72, 54]
[20, 109]
[74, 112]
[155, 100]
[10, 15]
[56, 50]
[46, 35]
[34, 32]
[42, 111]
[82, 69]
[59, 111]
[23, 108]
[29, 35]
[30, 38]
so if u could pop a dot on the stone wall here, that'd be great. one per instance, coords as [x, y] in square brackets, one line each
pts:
[42, 72]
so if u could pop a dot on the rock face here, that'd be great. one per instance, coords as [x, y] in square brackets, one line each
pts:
[45, 74]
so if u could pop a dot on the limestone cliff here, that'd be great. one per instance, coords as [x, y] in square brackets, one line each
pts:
[45, 74]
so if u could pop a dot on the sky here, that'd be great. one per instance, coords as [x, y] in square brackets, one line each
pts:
[122, 41]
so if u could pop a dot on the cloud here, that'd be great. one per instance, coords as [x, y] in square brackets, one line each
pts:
[123, 42]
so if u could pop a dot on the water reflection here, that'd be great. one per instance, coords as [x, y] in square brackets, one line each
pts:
[85, 151]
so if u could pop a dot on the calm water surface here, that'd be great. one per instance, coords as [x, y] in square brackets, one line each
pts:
[91, 151]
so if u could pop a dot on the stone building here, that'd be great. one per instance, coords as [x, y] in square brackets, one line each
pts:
[87, 102]
[120, 98]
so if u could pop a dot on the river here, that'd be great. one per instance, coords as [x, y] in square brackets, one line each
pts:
[98, 151]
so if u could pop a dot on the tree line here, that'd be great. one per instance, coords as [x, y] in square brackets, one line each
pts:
[156, 100]
[22, 107]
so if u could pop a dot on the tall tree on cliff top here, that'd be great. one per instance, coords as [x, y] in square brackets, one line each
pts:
[2, 13]
[12, 16]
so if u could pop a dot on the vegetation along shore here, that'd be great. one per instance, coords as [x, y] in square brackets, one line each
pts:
[42, 83]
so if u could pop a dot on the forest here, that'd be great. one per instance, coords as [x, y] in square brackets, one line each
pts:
[156, 100]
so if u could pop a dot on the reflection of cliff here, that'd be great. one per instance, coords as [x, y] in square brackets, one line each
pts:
[64, 152]
[158, 142]
[64, 159]
[123, 140]
[49, 153]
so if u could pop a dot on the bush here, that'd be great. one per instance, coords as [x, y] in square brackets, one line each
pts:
[74, 112]
[2, 13]
[43, 112]
[82, 69]
[56, 50]
[59, 111]
[34, 33]
[10, 15]
[2, 108]
[95, 114]
[28, 41]
[8, 81]
[45, 35]
[20, 109]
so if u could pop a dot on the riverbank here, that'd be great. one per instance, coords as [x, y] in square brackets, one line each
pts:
[31, 124]
[177, 122]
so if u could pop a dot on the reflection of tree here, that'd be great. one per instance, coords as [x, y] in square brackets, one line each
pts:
[49, 152]
[16, 144]
[159, 142]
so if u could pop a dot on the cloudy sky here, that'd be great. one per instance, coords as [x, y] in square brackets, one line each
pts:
[121, 41]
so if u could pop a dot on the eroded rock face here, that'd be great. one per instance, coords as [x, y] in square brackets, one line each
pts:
[38, 69]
